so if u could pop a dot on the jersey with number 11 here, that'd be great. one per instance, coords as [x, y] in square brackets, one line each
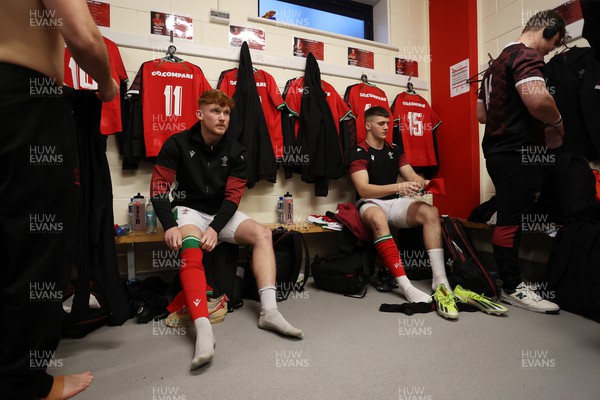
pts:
[169, 94]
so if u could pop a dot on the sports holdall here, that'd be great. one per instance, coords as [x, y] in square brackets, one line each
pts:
[291, 253]
[467, 269]
[574, 269]
[343, 273]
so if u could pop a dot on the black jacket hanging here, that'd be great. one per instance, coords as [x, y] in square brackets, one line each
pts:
[591, 28]
[572, 77]
[248, 125]
[317, 133]
[95, 254]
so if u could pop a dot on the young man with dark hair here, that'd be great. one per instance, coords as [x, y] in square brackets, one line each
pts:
[210, 170]
[383, 201]
[520, 115]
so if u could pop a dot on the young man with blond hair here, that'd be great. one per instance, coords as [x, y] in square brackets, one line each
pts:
[210, 170]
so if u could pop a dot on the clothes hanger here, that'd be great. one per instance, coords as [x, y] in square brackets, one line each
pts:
[409, 85]
[170, 54]
[364, 79]
[171, 57]
[473, 79]
[565, 46]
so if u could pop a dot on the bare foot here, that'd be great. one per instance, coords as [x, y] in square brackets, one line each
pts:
[76, 383]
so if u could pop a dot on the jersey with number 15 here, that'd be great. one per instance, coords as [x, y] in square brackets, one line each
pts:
[169, 93]
[417, 122]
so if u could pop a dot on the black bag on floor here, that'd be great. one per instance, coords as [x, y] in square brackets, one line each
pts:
[220, 269]
[574, 269]
[290, 249]
[77, 326]
[343, 273]
[220, 266]
[413, 253]
[570, 193]
[147, 299]
[466, 267]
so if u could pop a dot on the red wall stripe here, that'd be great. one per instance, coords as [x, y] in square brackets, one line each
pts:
[453, 38]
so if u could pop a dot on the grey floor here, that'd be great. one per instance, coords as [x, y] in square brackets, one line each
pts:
[350, 351]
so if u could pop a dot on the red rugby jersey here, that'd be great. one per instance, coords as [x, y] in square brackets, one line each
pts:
[362, 96]
[77, 78]
[417, 122]
[169, 92]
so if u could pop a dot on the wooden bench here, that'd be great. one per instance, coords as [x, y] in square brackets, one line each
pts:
[131, 240]
[137, 237]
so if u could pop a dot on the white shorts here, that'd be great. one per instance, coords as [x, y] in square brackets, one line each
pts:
[395, 209]
[189, 216]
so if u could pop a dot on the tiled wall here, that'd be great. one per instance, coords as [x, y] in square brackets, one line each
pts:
[408, 22]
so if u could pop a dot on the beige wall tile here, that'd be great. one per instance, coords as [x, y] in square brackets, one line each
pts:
[508, 38]
[123, 20]
[490, 47]
[487, 7]
[502, 22]
[146, 5]
[418, 9]
[399, 7]
[241, 9]
[215, 35]
[533, 6]
[505, 3]
[200, 10]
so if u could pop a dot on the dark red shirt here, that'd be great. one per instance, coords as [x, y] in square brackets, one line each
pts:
[510, 126]
[383, 166]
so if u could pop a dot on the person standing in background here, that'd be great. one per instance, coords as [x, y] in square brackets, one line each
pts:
[519, 115]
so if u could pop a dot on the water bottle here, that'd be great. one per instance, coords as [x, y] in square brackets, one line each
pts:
[139, 213]
[288, 208]
[123, 230]
[150, 218]
[280, 210]
[130, 212]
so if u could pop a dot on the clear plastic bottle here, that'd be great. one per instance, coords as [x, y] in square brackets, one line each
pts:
[123, 230]
[130, 212]
[150, 218]
[288, 208]
[280, 210]
[139, 213]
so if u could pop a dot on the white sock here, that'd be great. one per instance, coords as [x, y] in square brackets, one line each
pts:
[268, 298]
[438, 269]
[205, 343]
[270, 317]
[274, 321]
[412, 294]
